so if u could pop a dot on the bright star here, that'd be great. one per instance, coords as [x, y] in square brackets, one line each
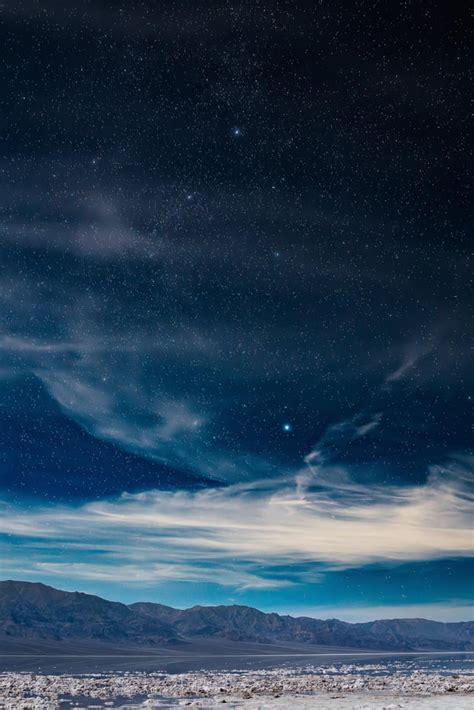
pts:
[236, 131]
[287, 427]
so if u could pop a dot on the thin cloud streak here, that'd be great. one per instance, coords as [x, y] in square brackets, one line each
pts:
[413, 354]
[183, 535]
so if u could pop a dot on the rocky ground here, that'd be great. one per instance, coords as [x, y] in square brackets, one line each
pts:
[345, 686]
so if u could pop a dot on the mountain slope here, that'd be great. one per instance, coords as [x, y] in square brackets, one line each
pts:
[30, 611]
[35, 611]
[240, 623]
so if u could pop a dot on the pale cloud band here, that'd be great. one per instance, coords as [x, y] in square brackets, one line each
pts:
[237, 534]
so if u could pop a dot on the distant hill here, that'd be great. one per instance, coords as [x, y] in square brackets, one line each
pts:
[30, 611]
[241, 623]
[35, 611]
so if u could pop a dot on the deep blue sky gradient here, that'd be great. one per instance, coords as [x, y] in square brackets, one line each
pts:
[217, 220]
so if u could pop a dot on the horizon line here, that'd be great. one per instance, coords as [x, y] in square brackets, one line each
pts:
[247, 606]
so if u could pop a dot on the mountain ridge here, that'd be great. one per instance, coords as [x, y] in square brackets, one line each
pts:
[35, 611]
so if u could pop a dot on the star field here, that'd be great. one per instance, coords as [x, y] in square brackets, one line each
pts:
[235, 262]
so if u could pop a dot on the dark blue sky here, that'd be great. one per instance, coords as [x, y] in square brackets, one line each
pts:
[234, 303]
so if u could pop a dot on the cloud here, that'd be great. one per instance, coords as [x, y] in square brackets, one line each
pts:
[18, 344]
[368, 426]
[165, 424]
[134, 382]
[94, 228]
[413, 354]
[237, 535]
[151, 332]
[338, 436]
[146, 574]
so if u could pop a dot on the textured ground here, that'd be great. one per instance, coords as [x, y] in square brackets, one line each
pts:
[384, 685]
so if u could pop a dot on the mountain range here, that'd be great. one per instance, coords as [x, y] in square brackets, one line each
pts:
[33, 612]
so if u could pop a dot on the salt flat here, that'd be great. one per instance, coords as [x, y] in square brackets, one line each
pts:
[360, 702]
[390, 683]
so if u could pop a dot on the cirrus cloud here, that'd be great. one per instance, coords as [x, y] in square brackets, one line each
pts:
[238, 534]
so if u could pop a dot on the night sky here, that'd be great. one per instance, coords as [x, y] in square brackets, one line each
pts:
[234, 303]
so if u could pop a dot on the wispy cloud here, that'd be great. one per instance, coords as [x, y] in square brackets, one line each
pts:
[241, 531]
[96, 228]
[413, 354]
[145, 574]
[154, 370]
[428, 351]
[339, 435]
